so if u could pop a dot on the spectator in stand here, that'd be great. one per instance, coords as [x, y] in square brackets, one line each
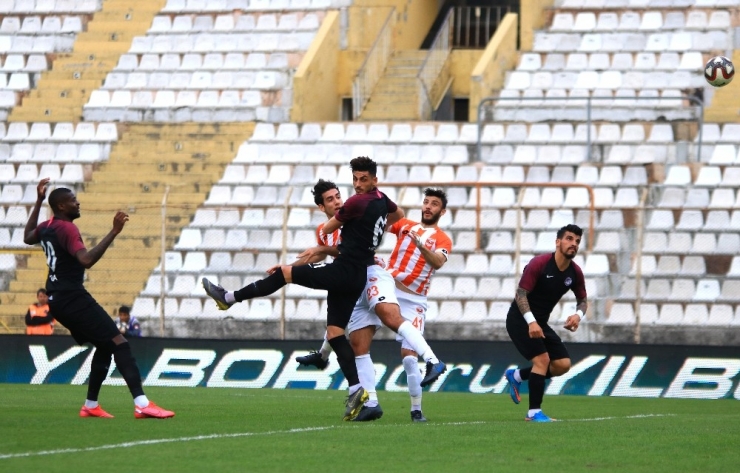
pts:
[127, 325]
[38, 319]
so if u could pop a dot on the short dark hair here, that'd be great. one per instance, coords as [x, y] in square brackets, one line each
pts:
[430, 192]
[125, 309]
[319, 189]
[56, 196]
[363, 163]
[41, 291]
[575, 229]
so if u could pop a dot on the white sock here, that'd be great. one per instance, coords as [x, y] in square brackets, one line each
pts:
[325, 350]
[141, 401]
[366, 373]
[91, 404]
[532, 412]
[413, 378]
[353, 389]
[229, 296]
[517, 375]
[414, 338]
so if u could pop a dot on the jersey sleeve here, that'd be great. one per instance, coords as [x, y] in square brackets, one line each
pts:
[579, 286]
[396, 227]
[70, 238]
[444, 245]
[351, 209]
[532, 273]
[392, 207]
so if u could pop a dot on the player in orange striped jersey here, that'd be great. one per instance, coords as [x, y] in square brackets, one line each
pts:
[421, 249]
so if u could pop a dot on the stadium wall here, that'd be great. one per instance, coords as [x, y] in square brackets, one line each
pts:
[499, 56]
[598, 369]
[533, 17]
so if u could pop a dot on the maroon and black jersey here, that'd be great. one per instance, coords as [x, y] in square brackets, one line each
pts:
[61, 240]
[363, 218]
[547, 285]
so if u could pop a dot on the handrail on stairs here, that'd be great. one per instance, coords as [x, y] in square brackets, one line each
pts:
[373, 67]
[433, 64]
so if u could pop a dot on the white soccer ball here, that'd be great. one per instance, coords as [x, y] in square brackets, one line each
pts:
[719, 71]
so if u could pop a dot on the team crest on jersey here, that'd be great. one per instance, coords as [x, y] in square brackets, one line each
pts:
[419, 309]
[372, 279]
[568, 281]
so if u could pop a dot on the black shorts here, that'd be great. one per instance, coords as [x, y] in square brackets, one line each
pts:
[344, 282]
[531, 347]
[86, 320]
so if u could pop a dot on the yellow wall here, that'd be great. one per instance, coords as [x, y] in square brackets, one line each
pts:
[533, 17]
[463, 62]
[499, 56]
[315, 95]
[414, 19]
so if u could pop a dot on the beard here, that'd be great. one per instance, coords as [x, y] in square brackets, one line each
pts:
[431, 220]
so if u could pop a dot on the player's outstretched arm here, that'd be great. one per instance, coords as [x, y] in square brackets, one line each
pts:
[89, 258]
[394, 217]
[572, 322]
[29, 234]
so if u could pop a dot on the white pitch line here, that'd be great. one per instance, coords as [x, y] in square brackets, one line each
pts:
[638, 416]
[194, 438]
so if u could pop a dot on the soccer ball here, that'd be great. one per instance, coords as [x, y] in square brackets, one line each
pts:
[719, 71]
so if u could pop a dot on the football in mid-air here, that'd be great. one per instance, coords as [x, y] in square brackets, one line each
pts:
[719, 71]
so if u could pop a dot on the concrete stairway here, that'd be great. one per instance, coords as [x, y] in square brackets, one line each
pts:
[64, 89]
[396, 96]
[189, 158]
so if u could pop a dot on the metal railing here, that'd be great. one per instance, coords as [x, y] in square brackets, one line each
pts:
[433, 65]
[373, 67]
[474, 26]
[589, 106]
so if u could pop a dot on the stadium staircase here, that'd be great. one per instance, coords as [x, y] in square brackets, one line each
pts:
[64, 89]
[725, 106]
[396, 97]
[188, 158]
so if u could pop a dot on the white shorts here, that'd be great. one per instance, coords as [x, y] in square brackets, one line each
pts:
[380, 287]
[414, 310]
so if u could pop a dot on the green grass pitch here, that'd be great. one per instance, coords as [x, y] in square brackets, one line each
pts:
[301, 431]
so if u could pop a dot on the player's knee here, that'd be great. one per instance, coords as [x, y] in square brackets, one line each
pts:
[332, 331]
[390, 315]
[287, 273]
[560, 367]
[541, 361]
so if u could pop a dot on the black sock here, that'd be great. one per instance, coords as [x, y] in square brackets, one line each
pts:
[126, 364]
[261, 288]
[98, 372]
[524, 373]
[536, 390]
[346, 358]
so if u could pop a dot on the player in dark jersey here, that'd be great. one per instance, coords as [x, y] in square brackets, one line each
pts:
[544, 282]
[74, 307]
[363, 219]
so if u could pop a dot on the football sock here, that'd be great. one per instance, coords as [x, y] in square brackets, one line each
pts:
[414, 338]
[413, 379]
[141, 401]
[523, 374]
[325, 349]
[346, 358]
[353, 389]
[98, 372]
[229, 296]
[366, 373]
[536, 390]
[532, 412]
[126, 364]
[518, 375]
[91, 404]
[261, 288]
